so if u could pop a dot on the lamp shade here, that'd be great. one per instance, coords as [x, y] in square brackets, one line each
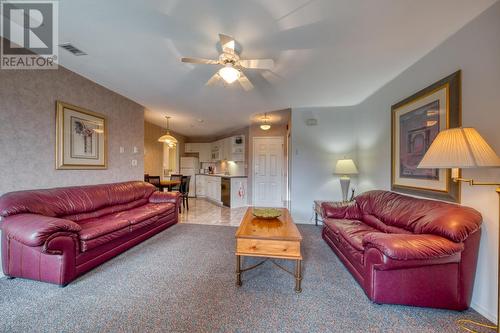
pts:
[168, 139]
[346, 167]
[459, 148]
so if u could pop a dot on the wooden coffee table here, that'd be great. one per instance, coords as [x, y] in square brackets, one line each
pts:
[278, 238]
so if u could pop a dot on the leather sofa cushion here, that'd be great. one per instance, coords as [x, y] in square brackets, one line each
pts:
[374, 222]
[106, 211]
[145, 212]
[413, 247]
[91, 243]
[353, 231]
[340, 210]
[33, 230]
[65, 201]
[96, 227]
[161, 197]
[420, 216]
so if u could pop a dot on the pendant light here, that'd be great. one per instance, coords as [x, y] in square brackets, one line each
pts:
[167, 138]
[265, 126]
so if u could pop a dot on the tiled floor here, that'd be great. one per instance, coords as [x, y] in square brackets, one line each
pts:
[202, 211]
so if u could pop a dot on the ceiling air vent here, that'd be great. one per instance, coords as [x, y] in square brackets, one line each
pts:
[72, 49]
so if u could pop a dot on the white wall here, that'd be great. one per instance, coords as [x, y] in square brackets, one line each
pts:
[475, 49]
[314, 152]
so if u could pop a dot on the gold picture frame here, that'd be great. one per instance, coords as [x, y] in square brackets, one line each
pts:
[81, 138]
[415, 122]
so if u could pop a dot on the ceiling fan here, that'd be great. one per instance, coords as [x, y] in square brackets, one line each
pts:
[233, 65]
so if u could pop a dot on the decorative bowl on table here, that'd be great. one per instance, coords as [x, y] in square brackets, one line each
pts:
[266, 213]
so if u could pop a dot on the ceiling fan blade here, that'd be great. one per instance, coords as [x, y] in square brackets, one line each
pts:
[213, 80]
[258, 63]
[200, 61]
[245, 82]
[227, 43]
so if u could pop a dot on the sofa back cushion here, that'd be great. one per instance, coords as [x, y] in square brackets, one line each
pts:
[420, 216]
[73, 201]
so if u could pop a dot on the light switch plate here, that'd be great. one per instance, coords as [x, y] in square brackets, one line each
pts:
[122, 150]
[136, 150]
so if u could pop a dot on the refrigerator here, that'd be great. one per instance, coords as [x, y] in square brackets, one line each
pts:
[189, 167]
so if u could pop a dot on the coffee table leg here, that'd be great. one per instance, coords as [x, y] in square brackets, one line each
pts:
[298, 275]
[238, 270]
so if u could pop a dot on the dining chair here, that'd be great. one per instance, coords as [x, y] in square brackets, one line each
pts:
[176, 187]
[184, 190]
[155, 180]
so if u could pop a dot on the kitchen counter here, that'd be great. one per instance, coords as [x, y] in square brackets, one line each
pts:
[230, 191]
[219, 175]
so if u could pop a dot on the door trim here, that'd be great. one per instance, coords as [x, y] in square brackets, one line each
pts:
[282, 139]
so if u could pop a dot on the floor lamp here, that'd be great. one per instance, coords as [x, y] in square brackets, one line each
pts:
[457, 148]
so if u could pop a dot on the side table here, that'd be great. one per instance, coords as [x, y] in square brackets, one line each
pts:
[317, 211]
[318, 217]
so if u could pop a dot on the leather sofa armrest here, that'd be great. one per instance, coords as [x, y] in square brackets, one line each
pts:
[341, 210]
[33, 230]
[412, 247]
[161, 197]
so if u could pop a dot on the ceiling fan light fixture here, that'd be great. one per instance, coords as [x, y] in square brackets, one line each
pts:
[229, 73]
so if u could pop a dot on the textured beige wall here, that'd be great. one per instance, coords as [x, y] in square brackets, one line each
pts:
[27, 129]
[153, 150]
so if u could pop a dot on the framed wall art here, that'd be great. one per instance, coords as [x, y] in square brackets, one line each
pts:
[81, 138]
[416, 121]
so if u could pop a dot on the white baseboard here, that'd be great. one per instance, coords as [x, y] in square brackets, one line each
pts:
[484, 312]
[299, 221]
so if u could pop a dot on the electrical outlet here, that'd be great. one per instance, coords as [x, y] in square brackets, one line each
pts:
[122, 150]
[134, 163]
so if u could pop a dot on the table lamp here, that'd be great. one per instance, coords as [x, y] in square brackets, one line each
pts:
[462, 148]
[345, 168]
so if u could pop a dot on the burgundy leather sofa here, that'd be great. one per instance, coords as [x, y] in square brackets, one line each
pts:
[404, 250]
[56, 235]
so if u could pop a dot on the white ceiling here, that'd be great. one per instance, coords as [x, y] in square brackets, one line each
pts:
[327, 52]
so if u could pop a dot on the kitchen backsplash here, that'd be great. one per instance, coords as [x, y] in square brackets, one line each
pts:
[234, 168]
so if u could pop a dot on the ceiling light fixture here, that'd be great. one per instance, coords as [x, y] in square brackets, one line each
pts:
[229, 73]
[265, 126]
[167, 138]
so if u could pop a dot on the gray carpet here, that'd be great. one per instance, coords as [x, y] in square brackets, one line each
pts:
[183, 280]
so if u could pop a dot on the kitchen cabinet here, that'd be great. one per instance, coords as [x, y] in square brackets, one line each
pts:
[191, 147]
[236, 151]
[239, 195]
[213, 189]
[204, 152]
[215, 151]
[202, 148]
[228, 149]
[226, 145]
[201, 185]
[209, 187]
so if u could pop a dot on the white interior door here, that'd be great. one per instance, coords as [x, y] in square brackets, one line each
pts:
[268, 155]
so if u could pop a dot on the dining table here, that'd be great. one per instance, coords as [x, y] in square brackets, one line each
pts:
[167, 183]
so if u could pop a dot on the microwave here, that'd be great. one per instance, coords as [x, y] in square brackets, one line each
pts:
[238, 140]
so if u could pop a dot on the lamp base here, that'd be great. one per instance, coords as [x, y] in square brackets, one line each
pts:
[344, 184]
